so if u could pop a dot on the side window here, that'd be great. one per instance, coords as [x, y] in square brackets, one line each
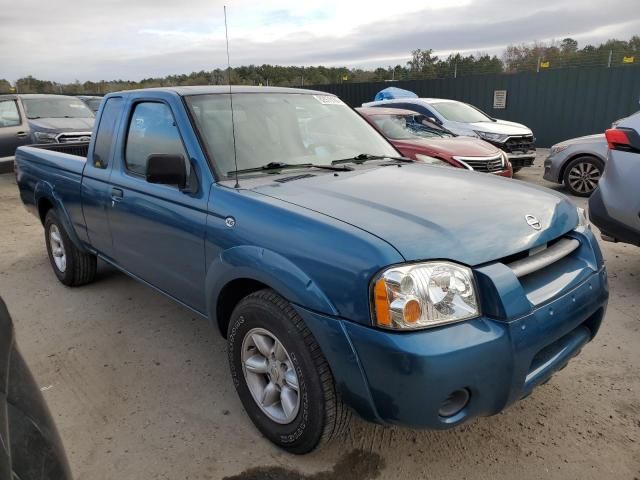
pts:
[152, 129]
[106, 131]
[9, 116]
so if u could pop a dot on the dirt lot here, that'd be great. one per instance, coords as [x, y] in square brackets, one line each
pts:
[139, 388]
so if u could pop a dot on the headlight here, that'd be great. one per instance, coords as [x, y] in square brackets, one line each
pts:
[432, 161]
[493, 137]
[423, 295]
[583, 220]
[44, 137]
[558, 148]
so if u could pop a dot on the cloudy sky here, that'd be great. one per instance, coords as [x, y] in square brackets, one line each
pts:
[65, 40]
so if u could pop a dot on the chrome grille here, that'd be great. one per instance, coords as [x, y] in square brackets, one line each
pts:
[483, 164]
[74, 137]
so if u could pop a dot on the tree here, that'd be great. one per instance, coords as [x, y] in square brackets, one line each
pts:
[5, 86]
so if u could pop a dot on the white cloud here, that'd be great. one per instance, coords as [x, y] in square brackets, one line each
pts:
[89, 40]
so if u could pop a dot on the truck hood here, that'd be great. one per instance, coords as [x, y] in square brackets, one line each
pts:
[459, 146]
[428, 212]
[61, 124]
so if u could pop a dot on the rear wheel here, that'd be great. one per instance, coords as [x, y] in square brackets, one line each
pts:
[281, 375]
[72, 266]
[582, 174]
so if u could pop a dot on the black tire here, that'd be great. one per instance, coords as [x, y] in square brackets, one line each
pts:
[516, 169]
[590, 170]
[80, 267]
[321, 415]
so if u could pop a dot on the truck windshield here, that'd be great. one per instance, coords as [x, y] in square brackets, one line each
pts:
[459, 112]
[282, 128]
[56, 107]
[404, 127]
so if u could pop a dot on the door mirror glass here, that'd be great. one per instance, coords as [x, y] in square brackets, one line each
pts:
[167, 169]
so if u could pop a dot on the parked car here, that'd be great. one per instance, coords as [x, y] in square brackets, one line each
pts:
[14, 129]
[614, 207]
[30, 447]
[578, 163]
[463, 119]
[343, 277]
[44, 119]
[92, 102]
[419, 139]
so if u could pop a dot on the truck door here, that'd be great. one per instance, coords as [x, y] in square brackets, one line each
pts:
[158, 231]
[14, 129]
[96, 190]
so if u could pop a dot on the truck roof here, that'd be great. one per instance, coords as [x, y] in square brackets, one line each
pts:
[211, 89]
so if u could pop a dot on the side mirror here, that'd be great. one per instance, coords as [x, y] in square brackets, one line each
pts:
[167, 170]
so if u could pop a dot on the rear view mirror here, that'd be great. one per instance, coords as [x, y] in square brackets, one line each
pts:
[167, 170]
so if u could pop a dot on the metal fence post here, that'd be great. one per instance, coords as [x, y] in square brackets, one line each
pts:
[609, 62]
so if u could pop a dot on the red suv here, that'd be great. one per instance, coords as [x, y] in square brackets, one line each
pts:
[418, 138]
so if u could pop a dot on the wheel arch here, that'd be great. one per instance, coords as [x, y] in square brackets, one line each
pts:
[45, 200]
[240, 271]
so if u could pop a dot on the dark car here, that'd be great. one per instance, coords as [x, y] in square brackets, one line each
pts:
[34, 118]
[30, 448]
[419, 139]
[92, 102]
[14, 129]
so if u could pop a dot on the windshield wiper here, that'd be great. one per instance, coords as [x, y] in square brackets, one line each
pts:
[274, 166]
[365, 157]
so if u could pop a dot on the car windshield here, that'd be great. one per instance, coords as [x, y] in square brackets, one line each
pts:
[56, 107]
[272, 128]
[459, 112]
[405, 127]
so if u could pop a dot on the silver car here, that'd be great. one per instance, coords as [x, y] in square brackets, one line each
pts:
[614, 206]
[578, 163]
[463, 119]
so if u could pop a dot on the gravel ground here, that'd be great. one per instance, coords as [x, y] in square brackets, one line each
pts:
[140, 389]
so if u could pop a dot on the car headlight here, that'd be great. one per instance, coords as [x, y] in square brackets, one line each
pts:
[432, 161]
[423, 295]
[44, 137]
[493, 137]
[558, 148]
[583, 220]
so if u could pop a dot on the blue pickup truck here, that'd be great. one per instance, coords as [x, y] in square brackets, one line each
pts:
[344, 277]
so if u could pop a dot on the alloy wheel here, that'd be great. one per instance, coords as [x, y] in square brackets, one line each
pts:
[584, 177]
[270, 375]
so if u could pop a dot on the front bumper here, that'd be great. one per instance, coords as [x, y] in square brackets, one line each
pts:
[405, 378]
[520, 160]
[552, 168]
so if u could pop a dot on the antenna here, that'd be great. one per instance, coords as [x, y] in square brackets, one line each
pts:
[233, 123]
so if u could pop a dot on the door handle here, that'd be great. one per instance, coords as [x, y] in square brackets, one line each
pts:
[21, 134]
[116, 196]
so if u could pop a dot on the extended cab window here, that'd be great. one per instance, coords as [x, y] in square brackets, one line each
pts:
[9, 116]
[106, 132]
[152, 130]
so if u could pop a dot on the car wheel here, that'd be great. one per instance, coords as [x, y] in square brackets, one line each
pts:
[516, 169]
[281, 375]
[71, 266]
[582, 174]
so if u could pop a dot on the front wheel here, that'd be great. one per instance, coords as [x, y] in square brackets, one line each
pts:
[281, 375]
[72, 266]
[582, 174]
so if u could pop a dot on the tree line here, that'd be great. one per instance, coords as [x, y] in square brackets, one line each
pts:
[424, 64]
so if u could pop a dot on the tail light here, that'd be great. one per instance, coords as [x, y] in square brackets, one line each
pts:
[623, 139]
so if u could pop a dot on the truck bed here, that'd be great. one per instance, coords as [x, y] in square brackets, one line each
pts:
[70, 157]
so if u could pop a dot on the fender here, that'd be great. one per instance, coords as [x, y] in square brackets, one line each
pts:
[268, 267]
[45, 190]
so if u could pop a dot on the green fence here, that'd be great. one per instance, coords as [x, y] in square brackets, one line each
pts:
[555, 104]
